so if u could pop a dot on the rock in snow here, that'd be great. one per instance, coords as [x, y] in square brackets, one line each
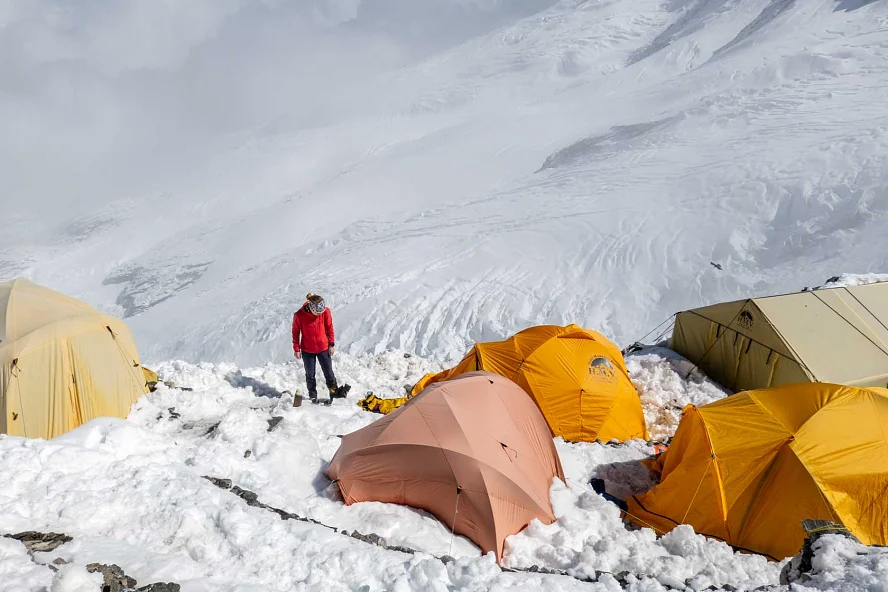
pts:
[40, 542]
[114, 580]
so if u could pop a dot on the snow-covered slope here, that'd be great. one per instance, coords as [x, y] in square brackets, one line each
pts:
[132, 493]
[554, 162]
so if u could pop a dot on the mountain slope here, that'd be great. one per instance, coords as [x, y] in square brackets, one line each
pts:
[583, 164]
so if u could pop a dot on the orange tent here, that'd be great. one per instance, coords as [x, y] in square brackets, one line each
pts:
[576, 376]
[475, 452]
[749, 468]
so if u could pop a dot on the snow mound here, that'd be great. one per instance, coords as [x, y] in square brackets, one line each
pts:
[666, 382]
[18, 571]
[840, 563]
[855, 279]
[589, 535]
[75, 578]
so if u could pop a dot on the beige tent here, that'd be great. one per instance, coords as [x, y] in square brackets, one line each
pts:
[837, 335]
[62, 362]
[474, 451]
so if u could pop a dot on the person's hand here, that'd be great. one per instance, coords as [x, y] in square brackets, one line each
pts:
[298, 355]
[331, 351]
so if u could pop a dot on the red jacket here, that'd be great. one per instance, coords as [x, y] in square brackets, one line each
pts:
[312, 334]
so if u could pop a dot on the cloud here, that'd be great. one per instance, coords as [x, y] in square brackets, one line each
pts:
[98, 97]
[101, 99]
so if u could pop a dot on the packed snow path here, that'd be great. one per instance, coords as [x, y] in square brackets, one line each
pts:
[559, 162]
[132, 493]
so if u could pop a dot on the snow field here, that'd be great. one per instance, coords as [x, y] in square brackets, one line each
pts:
[131, 492]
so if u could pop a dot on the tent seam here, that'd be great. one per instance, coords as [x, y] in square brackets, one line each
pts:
[866, 308]
[820, 487]
[712, 458]
[140, 384]
[42, 344]
[441, 448]
[718, 337]
[821, 300]
[796, 357]
[871, 399]
[867, 325]
[758, 489]
[760, 405]
[727, 327]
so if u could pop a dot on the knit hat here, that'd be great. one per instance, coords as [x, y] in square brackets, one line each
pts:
[316, 303]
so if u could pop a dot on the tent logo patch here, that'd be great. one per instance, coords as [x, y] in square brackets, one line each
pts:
[602, 369]
[746, 320]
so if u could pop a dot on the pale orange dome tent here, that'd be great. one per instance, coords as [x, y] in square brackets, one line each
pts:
[474, 451]
[749, 468]
[576, 376]
[62, 362]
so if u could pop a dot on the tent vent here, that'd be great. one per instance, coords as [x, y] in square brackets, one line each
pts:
[507, 448]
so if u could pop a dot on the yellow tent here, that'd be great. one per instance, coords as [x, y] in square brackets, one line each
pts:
[749, 468]
[576, 376]
[62, 362]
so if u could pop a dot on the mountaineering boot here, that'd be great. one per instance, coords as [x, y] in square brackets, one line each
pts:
[314, 399]
[341, 392]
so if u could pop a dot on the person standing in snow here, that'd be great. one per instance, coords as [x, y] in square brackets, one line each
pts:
[313, 342]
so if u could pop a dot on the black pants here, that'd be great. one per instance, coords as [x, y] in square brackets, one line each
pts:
[309, 361]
